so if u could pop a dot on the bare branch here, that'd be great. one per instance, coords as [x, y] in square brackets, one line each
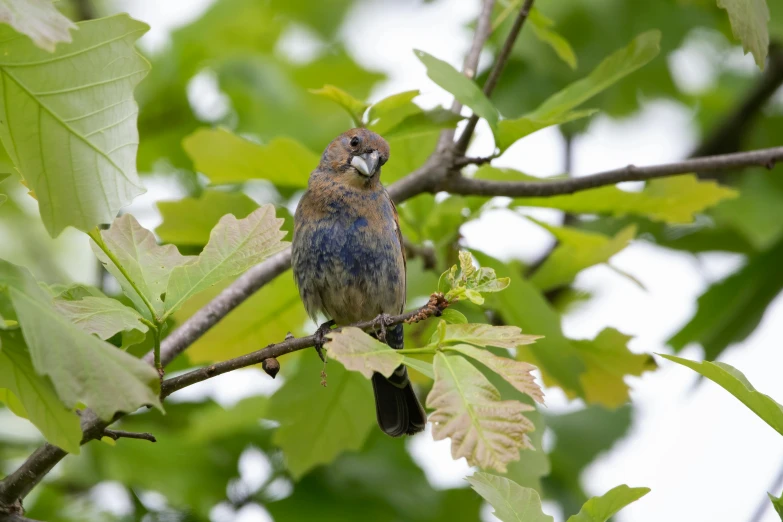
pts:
[479, 187]
[497, 70]
[118, 434]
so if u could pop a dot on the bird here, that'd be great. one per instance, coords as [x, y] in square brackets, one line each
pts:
[349, 262]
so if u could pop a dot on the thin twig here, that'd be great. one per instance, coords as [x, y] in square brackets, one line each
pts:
[435, 306]
[494, 74]
[480, 187]
[119, 434]
[461, 161]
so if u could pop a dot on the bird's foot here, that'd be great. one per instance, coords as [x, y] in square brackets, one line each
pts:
[320, 338]
[379, 326]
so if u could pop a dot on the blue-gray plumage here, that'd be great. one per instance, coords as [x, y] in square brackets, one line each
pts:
[348, 258]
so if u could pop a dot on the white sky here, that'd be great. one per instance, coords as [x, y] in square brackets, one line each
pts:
[704, 455]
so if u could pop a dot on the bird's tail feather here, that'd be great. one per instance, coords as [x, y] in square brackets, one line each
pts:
[396, 405]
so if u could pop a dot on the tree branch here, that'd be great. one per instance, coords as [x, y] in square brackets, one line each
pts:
[119, 434]
[480, 187]
[497, 70]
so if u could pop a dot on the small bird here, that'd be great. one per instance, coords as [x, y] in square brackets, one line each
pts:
[349, 262]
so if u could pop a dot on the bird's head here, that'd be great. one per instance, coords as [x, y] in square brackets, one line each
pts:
[355, 157]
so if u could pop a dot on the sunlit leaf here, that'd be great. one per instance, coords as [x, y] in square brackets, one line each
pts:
[512, 502]
[423, 123]
[485, 335]
[542, 28]
[101, 316]
[189, 221]
[486, 431]
[144, 266]
[516, 373]
[576, 250]
[359, 352]
[671, 200]
[83, 368]
[510, 131]
[69, 120]
[557, 108]
[39, 20]
[601, 509]
[319, 423]
[420, 366]
[463, 89]
[234, 246]
[394, 107]
[749, 19]
[352, 106]
[35, 395]
[734, 382]
[225, 157]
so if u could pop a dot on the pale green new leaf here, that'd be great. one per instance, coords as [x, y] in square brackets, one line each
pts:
[35, 395]
[485, 430]
[557, 108]
[69, 120]
[512, 502]
[484, 335]
[319, 423]
[517, 373]
[463, 89]
[672, 200]
[734, 382]
[352, 106]
[225, 157]
[749, 19]
[601, 509]
[576, 250]
[83, 368]
[542, 28]
[189, 221]
[423, 367]
[392, 105]
[234, 246]
[144, 266]
[39, 20]
[101, 316]
[359, 352]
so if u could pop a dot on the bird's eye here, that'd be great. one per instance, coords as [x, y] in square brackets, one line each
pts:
[355, 141]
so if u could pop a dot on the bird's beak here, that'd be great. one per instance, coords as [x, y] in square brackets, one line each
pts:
[367, 163]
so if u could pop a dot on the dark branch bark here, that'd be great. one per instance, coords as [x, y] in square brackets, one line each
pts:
[479, 187]
[497, 70]
[119, 434]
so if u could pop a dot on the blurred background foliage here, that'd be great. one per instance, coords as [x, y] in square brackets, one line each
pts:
[198, 469]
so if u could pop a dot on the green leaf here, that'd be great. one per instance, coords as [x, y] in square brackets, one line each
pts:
[542, 28]
[39, 20]
[83, 368]
[777, 504]
[576, 250]
[671, 200]
[452, 316]
[392, 108]
[731, 309]
[557, 108]
[352, 106]
[516, 373]
[189, 221]
[734, 382]
[463, 89]
[359, 352]
[749, 19]
[227, 158]
[601, 509]
[101, 316]
[234, 246]
[424, 123]
[420, 366]
[319, 423]
[512, 502]
[485, 335]
[144, 266]
[486, 431]
[35, 395]
[607, 361]
[78, 99]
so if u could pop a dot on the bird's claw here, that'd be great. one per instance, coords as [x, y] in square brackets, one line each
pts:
[379, 326]
[320, 338]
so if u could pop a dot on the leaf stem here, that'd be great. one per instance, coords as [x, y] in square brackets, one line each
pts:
[426, 349]
[95, 235]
